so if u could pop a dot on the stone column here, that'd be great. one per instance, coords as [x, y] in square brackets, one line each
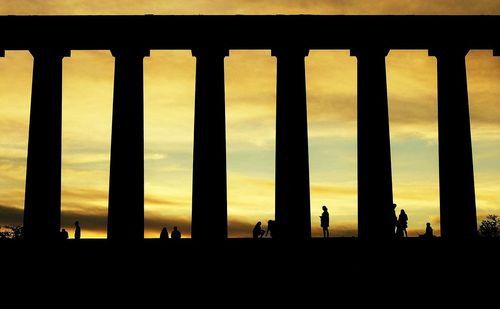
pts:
[209, 219]
[126, 179]
[293, 209]
[42, 204]
[456, 174]
[375, 211]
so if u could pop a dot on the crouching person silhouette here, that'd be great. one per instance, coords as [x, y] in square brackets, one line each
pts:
[258, 232]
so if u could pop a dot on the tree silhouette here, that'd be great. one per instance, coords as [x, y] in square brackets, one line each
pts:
[490, 227]
[13, 232]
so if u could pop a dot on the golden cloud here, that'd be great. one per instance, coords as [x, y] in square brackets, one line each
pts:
[248, 7]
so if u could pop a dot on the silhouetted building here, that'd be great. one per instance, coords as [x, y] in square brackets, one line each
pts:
[42, 210]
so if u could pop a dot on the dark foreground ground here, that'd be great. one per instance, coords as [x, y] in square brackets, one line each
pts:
[413, 264]
[316, 255]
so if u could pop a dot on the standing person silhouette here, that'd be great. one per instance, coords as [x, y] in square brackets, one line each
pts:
[395, 223]
[78, 232]
[403, 222]
[164, 233]
[175, 233]
[271, 228]
[325, 222]
[428, 231]
[258, 232]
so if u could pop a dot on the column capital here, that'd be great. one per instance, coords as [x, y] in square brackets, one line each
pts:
[448, 51]
[290, 51]
[210, 51]
[129, 51]
[371, 51]
[55, 52]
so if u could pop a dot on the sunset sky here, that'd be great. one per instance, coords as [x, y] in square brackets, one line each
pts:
[250, 121]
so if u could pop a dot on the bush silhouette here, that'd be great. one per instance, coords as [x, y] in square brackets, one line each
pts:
[13, 232]
[490, 227]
